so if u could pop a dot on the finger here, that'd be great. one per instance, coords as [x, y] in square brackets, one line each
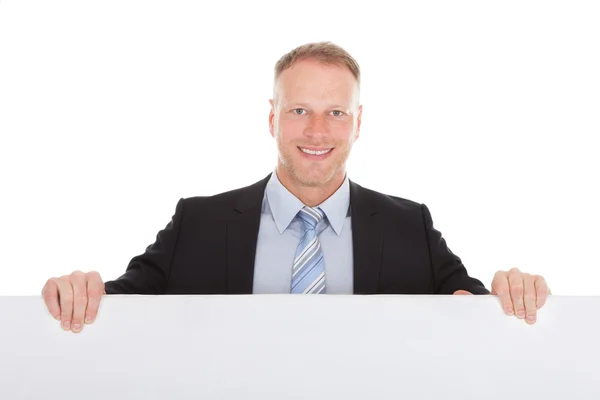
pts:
[542, 290]
[462, 293]
[501, 288]
[80, 299]
[529, 297]
[50, 295]
[95, 289]
[515, 281]
[65, 296]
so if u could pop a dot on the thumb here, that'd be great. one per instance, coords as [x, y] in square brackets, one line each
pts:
[462, 293]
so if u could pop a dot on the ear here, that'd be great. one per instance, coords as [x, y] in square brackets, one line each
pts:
[358, 122]
[272, 118]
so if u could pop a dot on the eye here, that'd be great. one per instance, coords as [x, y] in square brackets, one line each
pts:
[298, 109]
[340, 113]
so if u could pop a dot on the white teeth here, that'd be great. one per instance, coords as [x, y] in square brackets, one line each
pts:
[315, 152]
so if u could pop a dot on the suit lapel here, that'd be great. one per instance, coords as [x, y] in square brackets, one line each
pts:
[367, 240]
[242, 237]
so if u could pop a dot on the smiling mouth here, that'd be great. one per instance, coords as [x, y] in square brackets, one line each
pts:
[315, 152]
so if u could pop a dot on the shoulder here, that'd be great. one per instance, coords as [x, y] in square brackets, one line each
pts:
[226, 203]
[392, 210]
[382, 201]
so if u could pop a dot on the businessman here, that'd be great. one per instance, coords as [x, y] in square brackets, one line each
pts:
[304, 228]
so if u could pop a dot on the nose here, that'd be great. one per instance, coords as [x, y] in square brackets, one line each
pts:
[317, 126]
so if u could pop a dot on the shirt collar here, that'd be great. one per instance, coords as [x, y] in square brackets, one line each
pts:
[284, 205]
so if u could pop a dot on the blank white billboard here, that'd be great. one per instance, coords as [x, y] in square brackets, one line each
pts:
[299, 347]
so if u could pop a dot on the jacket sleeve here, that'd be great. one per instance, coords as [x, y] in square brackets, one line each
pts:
[148, 273]
[449, 273]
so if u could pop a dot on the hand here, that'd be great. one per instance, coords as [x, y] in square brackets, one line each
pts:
[522, 292]
[462, 293]
[71, 298]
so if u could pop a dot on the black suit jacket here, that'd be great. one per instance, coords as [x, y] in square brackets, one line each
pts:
[209, 247]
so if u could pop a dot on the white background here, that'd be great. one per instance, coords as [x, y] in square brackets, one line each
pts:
[487, 112]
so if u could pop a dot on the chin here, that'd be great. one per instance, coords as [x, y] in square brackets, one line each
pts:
[309, 174]
[314, 178]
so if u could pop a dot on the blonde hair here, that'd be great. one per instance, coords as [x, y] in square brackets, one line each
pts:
[326, 52]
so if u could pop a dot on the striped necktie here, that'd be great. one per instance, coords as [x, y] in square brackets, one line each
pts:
[308, 273]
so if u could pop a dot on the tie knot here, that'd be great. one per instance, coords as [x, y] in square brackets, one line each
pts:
[310, 216]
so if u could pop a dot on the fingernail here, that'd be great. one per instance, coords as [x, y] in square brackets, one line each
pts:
[520, 313]
[88, 320]
[76, 327]
[510, 311]
[66, 324]
[57, 317]
[531, 318]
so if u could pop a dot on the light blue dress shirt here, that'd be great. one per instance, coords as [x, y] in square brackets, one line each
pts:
[280, 232]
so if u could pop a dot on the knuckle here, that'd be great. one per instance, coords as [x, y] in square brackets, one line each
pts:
[515, 279]
[529, 298]
[67, 298]
[93, 274]
[77, 274]
[51, 296]
[540, 281]
[46, 292]
[81, 298]
[95, 292]
[50, 282]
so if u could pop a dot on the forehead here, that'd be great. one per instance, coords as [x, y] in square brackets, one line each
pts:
[313, 80]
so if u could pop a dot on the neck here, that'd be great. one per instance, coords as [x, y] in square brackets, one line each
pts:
[310, 195]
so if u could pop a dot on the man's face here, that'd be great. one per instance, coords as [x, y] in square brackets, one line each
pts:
[315, 118]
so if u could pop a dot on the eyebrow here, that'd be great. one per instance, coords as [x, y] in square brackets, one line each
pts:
[307, 106]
